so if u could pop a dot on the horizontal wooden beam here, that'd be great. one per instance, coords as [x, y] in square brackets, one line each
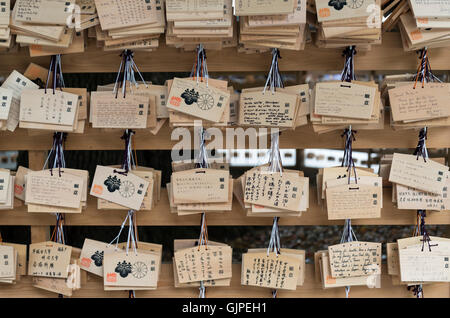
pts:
[161, 216]
[387, 56]
[93, 288]
[301, 138]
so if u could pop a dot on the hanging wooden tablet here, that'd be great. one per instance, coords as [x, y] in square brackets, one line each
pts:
[48, 187]
[203, 263]
[270, 270]
[49, 259]
[116, 186]
[355, 259]
[109, 111]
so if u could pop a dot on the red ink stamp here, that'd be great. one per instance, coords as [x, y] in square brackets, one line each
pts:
[111, 277]
[175, 101]
[86, 262]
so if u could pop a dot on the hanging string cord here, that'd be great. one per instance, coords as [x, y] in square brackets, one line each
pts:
[424, 73]
[58, 232]
[422, 230]
[200, 67]
[128, 162]
[348, 235]
[57, 75]
[202, 156]
[348, 73]
[275, 165]
[131, 241]
[417, 290]
[347, 159]
[421, 149]
[126, 73]
[274, 78]
[203, 239]
[202, 162]
[117, 238]
[274, 242]
[57, 151]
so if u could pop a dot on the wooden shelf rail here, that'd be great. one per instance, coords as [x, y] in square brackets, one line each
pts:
[387, 56]
[161, 216]
[301, 138]
[92, 287]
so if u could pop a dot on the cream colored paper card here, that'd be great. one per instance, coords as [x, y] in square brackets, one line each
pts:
[5, 11]
[206, 283]
[127, 190]
[49, 107]
[121, 112]
[408, 170]
[198, 99]
[44, 11]
[281, 191]
[353, 202]
[9, 204]
[430, 8]
[200, 186]
[337, 10]
[135, 269]
[49, 259]
[355, 259]
[188, 243]
[5, 186]
[125, 13]
[49, 32]
[408, 103]
[82, 100]
[55, 285]
[193, 6]
[263, 7]
[303, 92]
[92, 254]
[271, 271]
[49, 188]
[360, 180]
[17, 83]
[7, 263]
[161, 94]
[63, 43]
[21, 250]
[297, 17]
[206, 207]
[393, 263]
[419, 264]
[300, 254]
[224, 22]
[150, 194]
[335, 173]
[348, 100]
[203, 263]
[411, 199]
[258, 108]
[328, 281]
[6, 95]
